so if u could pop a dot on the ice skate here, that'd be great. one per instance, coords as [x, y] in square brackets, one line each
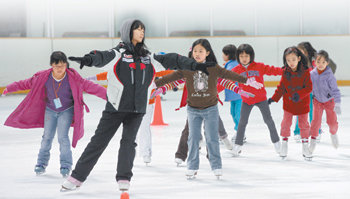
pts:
[217, 173]
[39, 169]
[227, 143]
[191, 174]
[70, 184]
[297, 138]
[318, 138]
[64, 172]
[277, 146]
[178, 161]
[335, 141]
[233, 139]
[236, 150]
[146, 159]
[312, 146]
[284, 149]
[124, 185]
[306, 151]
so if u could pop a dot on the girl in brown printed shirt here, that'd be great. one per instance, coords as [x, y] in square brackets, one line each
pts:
[202, 105]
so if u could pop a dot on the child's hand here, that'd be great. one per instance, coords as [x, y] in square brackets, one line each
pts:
[203, 66]
[253, 83]
[245, 93]
[337, 108]
[269, 101]
[4, 92]
[83, 61]
[156, 92]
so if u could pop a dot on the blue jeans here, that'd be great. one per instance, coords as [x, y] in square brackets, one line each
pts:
[236, 111]
[195, 118]
[60, 121]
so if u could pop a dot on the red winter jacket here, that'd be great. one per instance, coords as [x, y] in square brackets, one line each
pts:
[257, 71]
[294, 82]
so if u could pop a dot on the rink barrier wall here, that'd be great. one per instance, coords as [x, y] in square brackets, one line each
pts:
[267, 84]
[23, 57]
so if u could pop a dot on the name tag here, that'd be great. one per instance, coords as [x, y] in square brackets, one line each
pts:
[57, 102]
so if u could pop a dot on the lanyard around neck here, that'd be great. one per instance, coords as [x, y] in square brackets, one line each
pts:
[53, 86]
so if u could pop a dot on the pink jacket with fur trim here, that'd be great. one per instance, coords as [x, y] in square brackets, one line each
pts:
[30, 112]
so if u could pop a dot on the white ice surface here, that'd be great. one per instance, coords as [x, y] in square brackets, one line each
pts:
[257, 173]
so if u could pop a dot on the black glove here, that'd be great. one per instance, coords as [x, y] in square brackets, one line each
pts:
[175, 89]
[269, 101]
[203, 66]
[83, 61]
[295, 97]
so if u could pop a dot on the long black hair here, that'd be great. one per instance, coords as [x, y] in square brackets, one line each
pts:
[311, 52]
[245, 48]
[205, 43]
[140, 48]
[302, 64]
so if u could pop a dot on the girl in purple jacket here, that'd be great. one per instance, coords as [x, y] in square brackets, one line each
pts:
[55, 101]
[326, 97]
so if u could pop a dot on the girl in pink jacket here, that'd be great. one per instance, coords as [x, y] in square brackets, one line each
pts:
[55, 101]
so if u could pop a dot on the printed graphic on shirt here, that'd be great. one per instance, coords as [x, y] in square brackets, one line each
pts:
[251, 73]
[127, 58]
[200, 83]
[145, 60]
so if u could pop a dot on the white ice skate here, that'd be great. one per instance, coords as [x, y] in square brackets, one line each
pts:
[297, 138]
[191, 174]
[146, 159]
[318, 138]
[277, 146]
[227, 143]
[217, 173]
[70, 184]
[123, 185]
[335, 140]
[233, 139]
[306, 151]
[178, 161]
[284, 149]
[312, 145]
[237, 149]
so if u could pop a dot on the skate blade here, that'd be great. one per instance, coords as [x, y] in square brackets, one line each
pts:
[191, 177]
[308, 158]
[283, 157]
[218, 177]
[63, 189]
[39, 173]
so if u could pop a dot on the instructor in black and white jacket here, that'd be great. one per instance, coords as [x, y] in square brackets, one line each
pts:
[131, 71]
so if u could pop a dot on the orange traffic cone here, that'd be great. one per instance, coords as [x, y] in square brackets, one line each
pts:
[124, 195]
[158, 116]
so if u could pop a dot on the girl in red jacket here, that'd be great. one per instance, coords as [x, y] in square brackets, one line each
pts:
[295, 87]
[254, 72]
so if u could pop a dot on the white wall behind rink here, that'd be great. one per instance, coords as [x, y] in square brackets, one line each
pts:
[22, 57]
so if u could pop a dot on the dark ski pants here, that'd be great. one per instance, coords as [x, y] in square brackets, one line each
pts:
[182, 148]
[109, 124]
[266, 113]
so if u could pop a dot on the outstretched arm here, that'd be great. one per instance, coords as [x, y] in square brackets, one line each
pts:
[178, 62]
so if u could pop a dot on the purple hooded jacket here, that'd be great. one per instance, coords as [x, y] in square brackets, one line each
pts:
[324, 86]
[30, 112]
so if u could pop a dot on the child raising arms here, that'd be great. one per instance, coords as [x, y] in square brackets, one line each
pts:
[254, 72]
[202, 105]
[295, 87]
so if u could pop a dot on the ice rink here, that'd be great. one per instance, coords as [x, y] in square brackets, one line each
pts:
[257, 173]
